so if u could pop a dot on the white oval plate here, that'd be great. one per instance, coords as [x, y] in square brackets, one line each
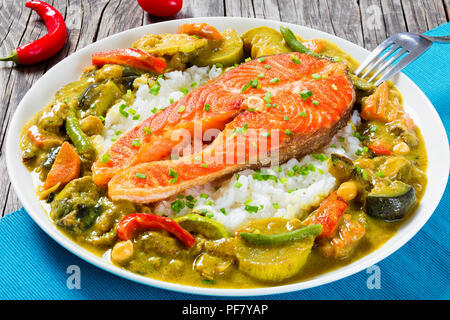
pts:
[69, 69]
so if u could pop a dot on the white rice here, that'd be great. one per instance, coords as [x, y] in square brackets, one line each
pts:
[291, 195]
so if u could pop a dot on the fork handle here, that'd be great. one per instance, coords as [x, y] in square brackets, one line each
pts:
[438, 39]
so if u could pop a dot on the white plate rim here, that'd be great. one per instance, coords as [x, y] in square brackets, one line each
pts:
[15, 168]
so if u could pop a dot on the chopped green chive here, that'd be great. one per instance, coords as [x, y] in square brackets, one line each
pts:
[219, 65]
[295, 59]
[174, 175]
[267, 67]
[207, 107]
[302, 114]
[181, 109]
[184, 90]
[136, 143]
[262, 59]
[265, 134]
[305, 94]
[171, 100]
[248, 201]
[261, 75]
[117, 132]
[320, 156]
[223, 211]
[380, 174]
[275, 205]
[154, 90]
[238, 184]
[178, 205]
[248, 59]
[316, 76]
[204, 165]
[136, 117]
[141, 176]
[155, 110]
[334, 86]
[315, 102]
[106, 158]
[244, 88]
[251, 209]
[204, 196]
[288, 132]
[102, 118]
[147, 131]
[275, 80]
[286, 118]
[193, 84]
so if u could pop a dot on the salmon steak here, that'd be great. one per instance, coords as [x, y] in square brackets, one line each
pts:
[267, 110]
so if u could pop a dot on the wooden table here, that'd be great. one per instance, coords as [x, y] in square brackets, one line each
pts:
[365, 22]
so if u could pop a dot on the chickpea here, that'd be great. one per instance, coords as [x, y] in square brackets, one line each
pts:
[347, 191]
[91, 125]
[122, 252]
[401, 148]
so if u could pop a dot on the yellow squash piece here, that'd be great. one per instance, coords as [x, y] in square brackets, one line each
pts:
[264, 41]
[272, 263]
[226, 52]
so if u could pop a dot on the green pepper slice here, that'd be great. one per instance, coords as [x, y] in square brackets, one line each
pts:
[282, 238]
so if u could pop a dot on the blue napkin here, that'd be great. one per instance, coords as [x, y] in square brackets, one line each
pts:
[34, 266]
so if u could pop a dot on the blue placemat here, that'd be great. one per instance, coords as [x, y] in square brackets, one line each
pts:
[34, 266]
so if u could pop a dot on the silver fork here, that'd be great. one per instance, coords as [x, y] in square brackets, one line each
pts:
[406, 46]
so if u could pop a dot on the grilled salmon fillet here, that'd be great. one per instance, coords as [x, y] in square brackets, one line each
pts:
[297, 104]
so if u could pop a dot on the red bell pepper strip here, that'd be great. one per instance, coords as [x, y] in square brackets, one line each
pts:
[328, 214]
[135, 222]
[130, 57]
[381, 148]
[46, 46]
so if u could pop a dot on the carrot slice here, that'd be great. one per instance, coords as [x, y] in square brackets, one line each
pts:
[203, 30]
[374, 106]
[315, 45]
[65, 168]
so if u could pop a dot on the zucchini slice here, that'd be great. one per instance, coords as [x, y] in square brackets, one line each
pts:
[210, 228]
[391, 202]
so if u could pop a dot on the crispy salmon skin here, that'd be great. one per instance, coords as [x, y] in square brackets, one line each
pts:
[292, 110]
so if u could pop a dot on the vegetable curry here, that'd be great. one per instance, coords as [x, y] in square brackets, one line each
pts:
[375, 193]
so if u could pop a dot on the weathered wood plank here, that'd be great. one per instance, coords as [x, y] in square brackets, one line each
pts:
[373, 25]
[200, 8]
[423, 15]
[119, 16]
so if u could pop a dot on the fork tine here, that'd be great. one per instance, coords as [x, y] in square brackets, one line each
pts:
[399, 66]
[388, 63]
[373, 55]
[380, 60]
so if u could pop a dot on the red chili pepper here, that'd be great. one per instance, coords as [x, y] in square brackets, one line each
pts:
[130, 57]
[328, 214]
[46, 46]
[135, 222]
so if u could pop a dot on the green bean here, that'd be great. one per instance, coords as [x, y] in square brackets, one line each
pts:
[81, 142]
[282, 238]
[362, 84]
[294, 44]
